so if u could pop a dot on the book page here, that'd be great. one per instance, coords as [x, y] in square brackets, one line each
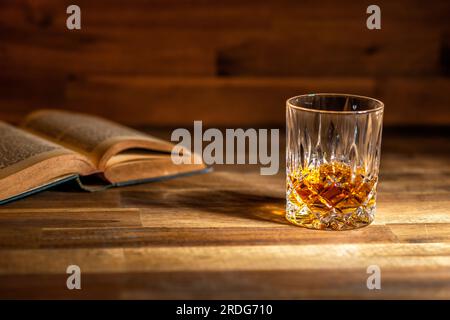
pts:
[86, 134]
[19, 149]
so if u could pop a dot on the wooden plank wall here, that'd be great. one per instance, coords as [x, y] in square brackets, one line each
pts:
[233, 62]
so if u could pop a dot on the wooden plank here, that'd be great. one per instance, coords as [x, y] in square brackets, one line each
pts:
[321, 38]
[188, 39]
[215, 217]
[335, 51]
[227, 258]
[69, 218]
[145, 37]
[175, 101]
[206, 236]
[414, 165]
[214, 101]
[425, 208]
[142, 14]
[415, 100]
[58, 199]
[221, 102]
[308, 284]
[419, 233]
[19, 237]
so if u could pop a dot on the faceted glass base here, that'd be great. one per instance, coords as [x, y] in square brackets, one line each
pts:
[302, 216]
[331, 196]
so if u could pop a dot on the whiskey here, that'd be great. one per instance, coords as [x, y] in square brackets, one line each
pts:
[331, 196]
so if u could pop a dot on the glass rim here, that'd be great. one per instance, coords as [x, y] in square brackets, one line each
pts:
[379, 108]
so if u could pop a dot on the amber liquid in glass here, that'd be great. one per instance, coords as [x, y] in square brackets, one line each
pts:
[331, 196]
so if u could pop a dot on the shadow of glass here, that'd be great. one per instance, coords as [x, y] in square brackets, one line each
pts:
[233, 203]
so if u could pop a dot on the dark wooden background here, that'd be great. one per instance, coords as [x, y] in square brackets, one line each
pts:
[233, 62]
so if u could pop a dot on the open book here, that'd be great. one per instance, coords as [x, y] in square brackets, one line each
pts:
[52, 147]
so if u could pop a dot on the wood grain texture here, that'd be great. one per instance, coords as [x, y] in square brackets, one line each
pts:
[232, 63]
[223, 235]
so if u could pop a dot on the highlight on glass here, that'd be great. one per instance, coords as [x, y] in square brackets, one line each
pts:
[332, 160]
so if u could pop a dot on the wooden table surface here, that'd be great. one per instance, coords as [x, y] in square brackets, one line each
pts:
[223, 235]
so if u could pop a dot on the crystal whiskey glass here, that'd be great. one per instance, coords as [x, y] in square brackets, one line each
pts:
[332, 160]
